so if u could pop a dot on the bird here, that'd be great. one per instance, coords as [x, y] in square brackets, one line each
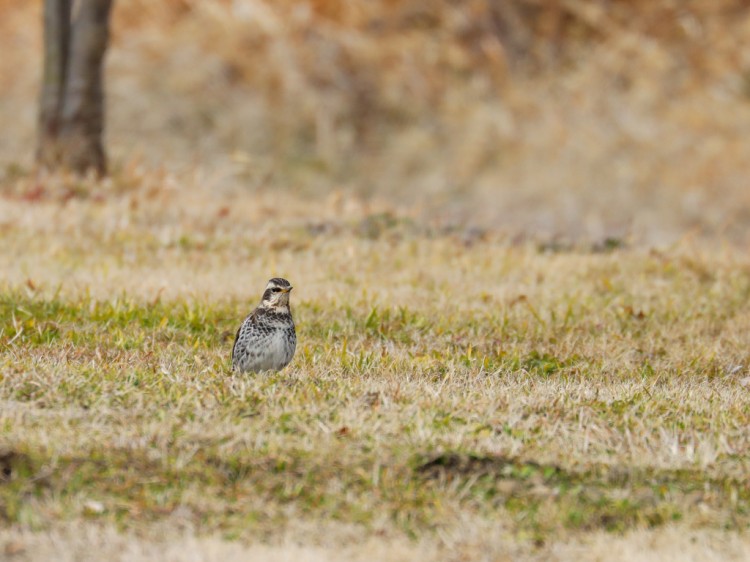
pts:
[266, 339]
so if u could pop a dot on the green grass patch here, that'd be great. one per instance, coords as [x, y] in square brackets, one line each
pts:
[578, 414]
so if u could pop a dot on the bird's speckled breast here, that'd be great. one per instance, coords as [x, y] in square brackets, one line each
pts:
[266, 341]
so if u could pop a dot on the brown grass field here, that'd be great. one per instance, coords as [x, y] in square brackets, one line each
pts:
[518, 236]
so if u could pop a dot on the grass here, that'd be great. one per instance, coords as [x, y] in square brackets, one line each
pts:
[552, 393]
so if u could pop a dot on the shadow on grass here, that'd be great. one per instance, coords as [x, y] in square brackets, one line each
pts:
[544, 496]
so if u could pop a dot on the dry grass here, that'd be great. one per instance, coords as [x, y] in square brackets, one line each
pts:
[496, 361]
[546, 120]
[445, 381]
[85, 542]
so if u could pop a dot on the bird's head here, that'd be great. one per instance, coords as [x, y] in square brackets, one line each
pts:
[276, 295]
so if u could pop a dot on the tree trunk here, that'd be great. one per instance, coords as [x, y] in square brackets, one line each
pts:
[72, 104]
[56, 37]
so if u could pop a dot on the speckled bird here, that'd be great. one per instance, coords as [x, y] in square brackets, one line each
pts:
[267, 339]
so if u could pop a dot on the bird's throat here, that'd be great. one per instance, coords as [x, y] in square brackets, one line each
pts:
[278, 308]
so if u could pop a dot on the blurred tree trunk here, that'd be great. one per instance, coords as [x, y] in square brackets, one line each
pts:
[71, 112]
[56, 36]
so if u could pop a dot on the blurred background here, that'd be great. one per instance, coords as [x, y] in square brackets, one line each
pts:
[556, 120]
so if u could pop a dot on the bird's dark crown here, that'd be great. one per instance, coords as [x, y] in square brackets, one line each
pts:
[279, 282]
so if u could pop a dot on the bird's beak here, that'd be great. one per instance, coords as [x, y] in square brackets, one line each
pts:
[288, 290]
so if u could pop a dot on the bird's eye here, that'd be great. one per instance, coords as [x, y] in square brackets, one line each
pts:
[276, 290]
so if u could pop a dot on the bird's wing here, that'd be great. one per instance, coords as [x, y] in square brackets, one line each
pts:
[248, 320]
[234, 345]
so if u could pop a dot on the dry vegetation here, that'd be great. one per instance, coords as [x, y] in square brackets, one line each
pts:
[451, 390]
[570, 119]
[516, 233]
